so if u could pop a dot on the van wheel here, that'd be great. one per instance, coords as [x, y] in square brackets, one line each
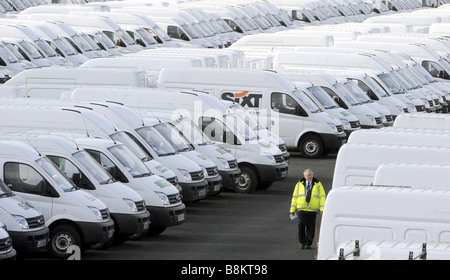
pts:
[248, 180]
[61, 238]
[311, 146]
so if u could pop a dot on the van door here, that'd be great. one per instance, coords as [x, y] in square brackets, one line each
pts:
[286, 117]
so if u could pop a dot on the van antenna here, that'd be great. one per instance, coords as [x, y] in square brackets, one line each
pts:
[85, 126]
[34, 147]
[155, 116]
[140, 114]
[74, 141]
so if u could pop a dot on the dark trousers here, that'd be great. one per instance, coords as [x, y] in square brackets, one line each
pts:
[306, 227]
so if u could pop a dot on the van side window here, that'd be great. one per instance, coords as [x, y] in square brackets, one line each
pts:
[72, 172]
[335, 97]
[217, 131]
[285, 104]
[176, 32]
[435, 69]
[108, 165]
[365, 88]
[24, 178]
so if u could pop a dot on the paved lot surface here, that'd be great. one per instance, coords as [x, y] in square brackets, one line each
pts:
[231, 226]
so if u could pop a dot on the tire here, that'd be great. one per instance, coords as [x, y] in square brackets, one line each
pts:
[248, 180]
[311, 146]
[61, 237]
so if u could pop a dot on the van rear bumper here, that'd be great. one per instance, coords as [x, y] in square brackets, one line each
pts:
[333, 142]
[194, 191]
[95, 233]
[272, 173]
[230, 178]
[131, 224]
[30, 241]
[167, 216]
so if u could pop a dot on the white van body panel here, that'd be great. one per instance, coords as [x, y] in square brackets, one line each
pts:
[427, 121]
[374, 220]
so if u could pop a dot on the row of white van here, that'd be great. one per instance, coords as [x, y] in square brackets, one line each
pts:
[390, 193]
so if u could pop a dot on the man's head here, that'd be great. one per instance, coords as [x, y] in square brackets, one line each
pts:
[308, 174]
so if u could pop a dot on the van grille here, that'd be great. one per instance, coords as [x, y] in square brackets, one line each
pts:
[175, 198]
[355, 124]
[279, 158]
[173, 180]
[378, 120]
[197, 176]
[105, 214]
[436, 102]
[6, 244]
[282, 147]
[233, 164]
[420, 108]
[389, 118]
[140, 205]
[340, 128]
[36, 222]
[212, 171]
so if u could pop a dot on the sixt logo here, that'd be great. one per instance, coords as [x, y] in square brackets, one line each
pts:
[243, 98]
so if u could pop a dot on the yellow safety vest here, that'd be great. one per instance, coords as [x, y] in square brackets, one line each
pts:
[317, 201]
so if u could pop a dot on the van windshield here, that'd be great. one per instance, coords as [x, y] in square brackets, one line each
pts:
[191, 131]
[64, 46]
[7, 55]
[391, 83]
[174, 136]
[419, 69]
[375, 86]
[58, 177]
[190, 31]
[304, 99]
[95, 169]
[344, 93]
[323, 97]
[123, 137]
[31, 50]
[239, 127]
[5, 190]
[158, 143]
[130, 161]
[357, 92]
[46, 48]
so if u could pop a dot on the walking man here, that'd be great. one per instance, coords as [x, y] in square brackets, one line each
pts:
[308, 198]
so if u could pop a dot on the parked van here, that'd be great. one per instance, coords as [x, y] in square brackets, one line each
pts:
[12, 64]
[25, 224]
[50, 82]
[93, 124]
[429, 121]
[260, 161]
[28, 51]
[304, 127]
[23, 32]
[127, 207]
[73, 216]
[356, 163]
[363, 222]
[162, 198]
[117, 34]
[8, 252]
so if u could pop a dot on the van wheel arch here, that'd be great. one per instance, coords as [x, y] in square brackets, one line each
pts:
[311, 145]
[69, 228]
[249, 179]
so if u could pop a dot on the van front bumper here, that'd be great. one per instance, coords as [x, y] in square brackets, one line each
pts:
[30, 241]
[230, 178]
[333, 142]
[193, 191]
[214, 185]
[131, 224]
[272, 173]
[167, 216]
[95, 233]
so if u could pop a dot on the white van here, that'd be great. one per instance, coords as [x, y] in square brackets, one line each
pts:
[364, 222]
[73, 216]
[8, 252]
[162, 199]
[50, 82]
[25, 33]
[429, 121]
[252, 153]
[11, 63]
[93, 124]
[117, 34]
[224, 160]
[126, 207]
[25, 224]
[356, 163]
[28, 51]
[265, 94]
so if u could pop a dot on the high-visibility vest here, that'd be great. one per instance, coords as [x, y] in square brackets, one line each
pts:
[317, 201]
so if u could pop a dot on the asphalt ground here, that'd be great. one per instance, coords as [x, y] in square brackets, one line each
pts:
[230, 226]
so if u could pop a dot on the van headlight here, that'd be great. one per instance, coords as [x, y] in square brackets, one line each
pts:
[96, 212]
[333, 127]
[205, 172]
[22, 221]
[271, 158]
[372, 119]
[346, 124]
[163, 197]
[185, 174]
[224, 163]
[411, 108]
[131, 204]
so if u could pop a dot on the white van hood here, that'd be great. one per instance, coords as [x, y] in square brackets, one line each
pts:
[199, 158]
[178, 161]
[18, 206]
[159, 169]
[213, 150]
[155, 183]
[88, 199]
